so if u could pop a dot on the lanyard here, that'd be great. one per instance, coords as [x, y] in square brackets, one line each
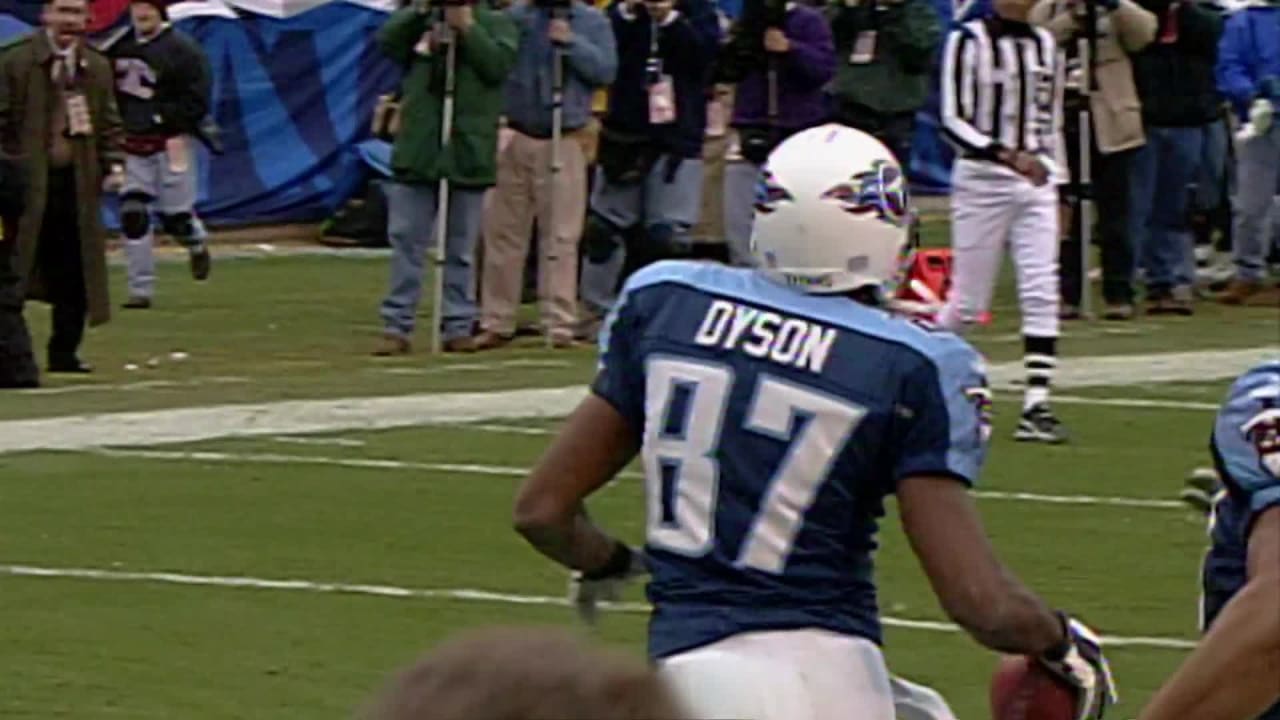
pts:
[654, 65]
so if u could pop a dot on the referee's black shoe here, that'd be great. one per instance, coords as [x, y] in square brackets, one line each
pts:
[1039, 424]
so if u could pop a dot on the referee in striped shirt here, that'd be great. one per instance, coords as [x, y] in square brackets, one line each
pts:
[1002, 88]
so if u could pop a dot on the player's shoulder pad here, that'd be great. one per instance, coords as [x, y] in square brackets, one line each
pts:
[692, 273]
[944, 348]
[1251, 414]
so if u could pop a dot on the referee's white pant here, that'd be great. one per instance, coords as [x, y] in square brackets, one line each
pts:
[805, 674]
[991, 206]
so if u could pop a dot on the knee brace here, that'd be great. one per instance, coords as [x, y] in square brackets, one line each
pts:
[600, 238]
[135, 216]
[178, 225]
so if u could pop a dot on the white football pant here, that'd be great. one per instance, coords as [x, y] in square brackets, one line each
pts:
[991, 207]
[805, 674]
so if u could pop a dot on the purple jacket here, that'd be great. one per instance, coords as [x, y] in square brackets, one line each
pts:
[803, 75]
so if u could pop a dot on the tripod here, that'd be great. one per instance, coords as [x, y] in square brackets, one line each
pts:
[442, 210]
[1083, 200]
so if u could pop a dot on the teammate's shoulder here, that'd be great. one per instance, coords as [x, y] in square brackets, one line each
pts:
[1254, 395]
[1249, 423]
[1257, 380]
[692, 273]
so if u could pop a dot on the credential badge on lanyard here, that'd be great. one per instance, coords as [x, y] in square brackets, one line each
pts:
[864, 48]
[79, 121]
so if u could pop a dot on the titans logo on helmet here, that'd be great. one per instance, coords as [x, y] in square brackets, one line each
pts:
[769, 193]
[880, 190]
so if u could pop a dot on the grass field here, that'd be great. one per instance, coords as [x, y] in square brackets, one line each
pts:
[283, 576]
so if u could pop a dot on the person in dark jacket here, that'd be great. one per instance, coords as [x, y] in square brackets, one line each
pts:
[648, 185]
[162, 88]
[886, 51]
[417, 37]
[793, 44]
[58, 115]
[17, 359]
[1175, 80]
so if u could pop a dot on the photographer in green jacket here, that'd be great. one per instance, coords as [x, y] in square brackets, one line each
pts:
[417, 37]
[885, 52]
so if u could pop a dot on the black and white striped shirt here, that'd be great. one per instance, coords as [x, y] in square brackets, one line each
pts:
[1002, 86]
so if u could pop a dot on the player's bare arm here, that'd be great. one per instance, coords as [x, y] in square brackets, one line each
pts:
[595, 444]
[1234, 674]
[975, 589]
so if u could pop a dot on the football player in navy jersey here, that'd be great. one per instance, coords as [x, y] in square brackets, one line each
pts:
[774, 408]
[1235, 672]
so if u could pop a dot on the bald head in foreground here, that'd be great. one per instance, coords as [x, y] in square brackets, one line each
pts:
[524, 674]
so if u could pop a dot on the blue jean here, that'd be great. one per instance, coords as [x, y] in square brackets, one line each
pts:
[1214, 171]
[1257, 170]
[661, 201]
[1158, 220]
[411, 215]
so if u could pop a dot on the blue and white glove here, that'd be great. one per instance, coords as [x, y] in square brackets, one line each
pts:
[1079, 663]
[588, 590]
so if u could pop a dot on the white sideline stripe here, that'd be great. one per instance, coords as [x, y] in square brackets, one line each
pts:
[462, 594]
[509, 471]
[294, 417]
[160, 427]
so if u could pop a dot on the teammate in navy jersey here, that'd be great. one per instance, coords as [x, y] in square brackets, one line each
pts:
[774, 409]
[1235, 672]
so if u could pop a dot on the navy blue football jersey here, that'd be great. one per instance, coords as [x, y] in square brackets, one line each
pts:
[1246, 450]
[772, 425]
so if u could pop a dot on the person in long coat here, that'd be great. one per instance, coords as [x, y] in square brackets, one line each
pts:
[58, 116]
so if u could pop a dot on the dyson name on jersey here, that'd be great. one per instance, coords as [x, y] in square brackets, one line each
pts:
[767, 335]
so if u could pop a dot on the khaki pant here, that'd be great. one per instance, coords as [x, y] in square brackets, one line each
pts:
[522, 194]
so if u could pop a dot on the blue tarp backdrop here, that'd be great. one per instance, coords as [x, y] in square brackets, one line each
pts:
[294, 88]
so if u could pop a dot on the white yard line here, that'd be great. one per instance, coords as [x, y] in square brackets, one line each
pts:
[1136, 403]
[511, 471]
[297, 417]
[509, 429]
[322, 441]
[134, 386]
[460, 594]
[472, 367]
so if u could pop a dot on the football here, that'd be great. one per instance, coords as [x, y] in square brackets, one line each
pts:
[1022, 690]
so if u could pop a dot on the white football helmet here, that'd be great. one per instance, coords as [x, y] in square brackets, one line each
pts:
[832, 212]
